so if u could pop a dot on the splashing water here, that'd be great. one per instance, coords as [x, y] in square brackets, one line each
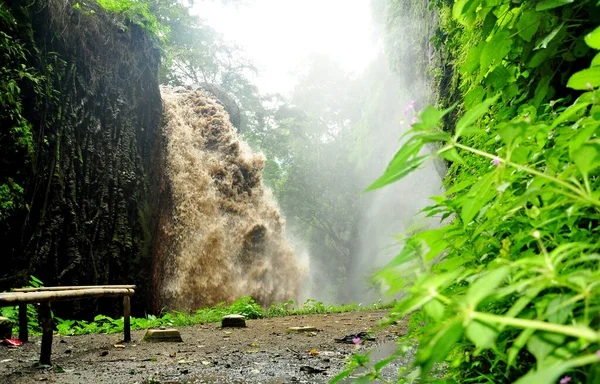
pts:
[225, 236]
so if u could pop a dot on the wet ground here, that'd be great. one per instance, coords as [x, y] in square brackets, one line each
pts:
[261, 353]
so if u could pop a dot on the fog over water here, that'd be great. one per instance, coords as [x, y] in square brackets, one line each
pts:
[281, 36]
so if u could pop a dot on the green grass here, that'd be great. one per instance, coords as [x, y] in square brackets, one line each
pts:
[244, 306]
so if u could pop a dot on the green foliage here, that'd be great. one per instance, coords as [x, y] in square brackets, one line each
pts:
[135, 12]
[16, 138]
[12, 313]
[507, 290]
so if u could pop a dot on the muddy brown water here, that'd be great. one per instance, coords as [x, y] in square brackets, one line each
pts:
[261, 353]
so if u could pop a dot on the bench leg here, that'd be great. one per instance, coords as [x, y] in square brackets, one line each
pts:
[126, 319]
[47, 329]
[23, 332]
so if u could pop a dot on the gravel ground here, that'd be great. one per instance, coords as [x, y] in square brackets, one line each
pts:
[261, 353]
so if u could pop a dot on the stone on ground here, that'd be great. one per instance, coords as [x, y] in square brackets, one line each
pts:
[5, 328]
[162, 335]
[233, 321]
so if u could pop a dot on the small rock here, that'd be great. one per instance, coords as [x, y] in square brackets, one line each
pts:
[162, 335]
[5, 328]
[233, 321]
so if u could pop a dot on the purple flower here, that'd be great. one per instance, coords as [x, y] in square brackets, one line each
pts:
[496, 161]
[356, 340]
[414, 121]
[565, 380]
[410, 106]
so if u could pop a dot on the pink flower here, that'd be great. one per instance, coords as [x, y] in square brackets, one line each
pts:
[356, 340]
[565, 380]
[496, 161]
[598, 353]
[414, 121]
[410, 106]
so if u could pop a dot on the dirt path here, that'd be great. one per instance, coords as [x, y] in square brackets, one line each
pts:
[261, 353]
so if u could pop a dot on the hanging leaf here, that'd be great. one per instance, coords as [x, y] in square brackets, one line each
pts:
[543, 42]
[528, 24]
[587, 158]
[549, 4]
[482, 335]
[477, 197]
[592, 39]
[495, 49]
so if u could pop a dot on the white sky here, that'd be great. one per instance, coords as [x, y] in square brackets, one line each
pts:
[279, 34]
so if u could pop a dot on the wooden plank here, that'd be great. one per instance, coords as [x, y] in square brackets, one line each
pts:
[47, 329]
[126, 319]
[14, 298]
[73, 288]
[23, 323]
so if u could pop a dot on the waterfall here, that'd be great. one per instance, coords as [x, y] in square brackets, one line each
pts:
[224, 237]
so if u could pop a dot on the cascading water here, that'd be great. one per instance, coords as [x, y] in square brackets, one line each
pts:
[224, 237]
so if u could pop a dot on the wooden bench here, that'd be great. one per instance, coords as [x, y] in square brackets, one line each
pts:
[44, 296]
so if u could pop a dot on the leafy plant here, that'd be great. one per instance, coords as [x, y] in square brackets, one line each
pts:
[507, 290]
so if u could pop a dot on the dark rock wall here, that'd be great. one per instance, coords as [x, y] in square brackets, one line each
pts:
[89, 186]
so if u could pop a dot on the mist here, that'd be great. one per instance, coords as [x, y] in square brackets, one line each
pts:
[332, 113]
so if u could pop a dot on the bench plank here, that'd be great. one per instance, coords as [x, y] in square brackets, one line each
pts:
[73, 288]
[14, 298]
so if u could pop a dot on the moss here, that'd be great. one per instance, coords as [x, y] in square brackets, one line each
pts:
[93, 130]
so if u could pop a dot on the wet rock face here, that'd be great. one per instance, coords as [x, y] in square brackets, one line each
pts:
[91, 187]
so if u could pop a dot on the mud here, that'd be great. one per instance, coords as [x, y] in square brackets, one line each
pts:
[261, 353]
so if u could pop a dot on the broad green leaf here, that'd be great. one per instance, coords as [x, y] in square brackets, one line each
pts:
[435, 309]
[587, 158]
[528, 24]
[485, 285]
[430, 118]
[542, 344]
[482, 335]
[596, 61]
[541, 91]
[585, 79]
[471, 116]
[398, 165]
[549, 4]
[451, 154]
[592, 39]
[439, 346]
[382, 363]
[495, 50]
[512, 131]
[473, 59]
[543, 42]
[475, 95]
[477, 197]
[398, 171]
[341, 376]
[498, 78]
